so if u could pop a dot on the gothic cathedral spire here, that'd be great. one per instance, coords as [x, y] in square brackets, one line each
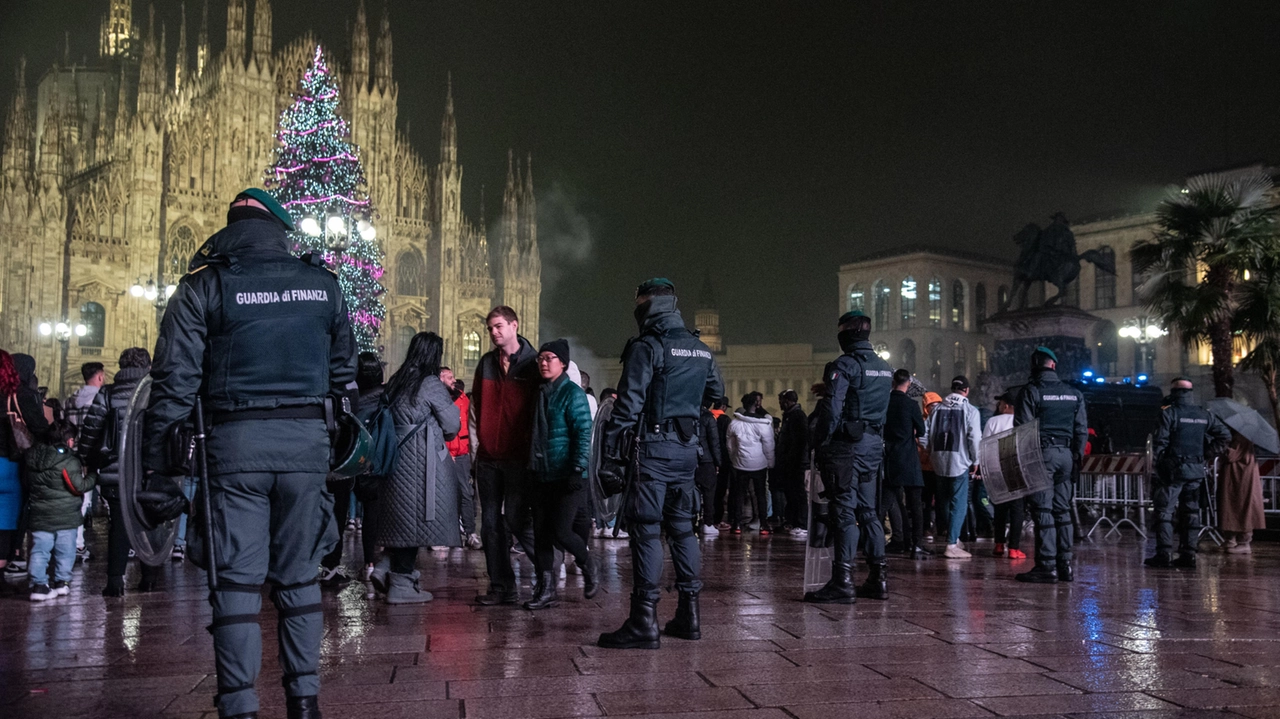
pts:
[262, 32]
[449, 129]
[17, 136]
[382, 66]
[181, 71]
[235, 30]
[360, 51]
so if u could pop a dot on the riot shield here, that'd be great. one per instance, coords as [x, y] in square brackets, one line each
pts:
[1012, 466]
[818, 549]
[603, 509]
[153, 543]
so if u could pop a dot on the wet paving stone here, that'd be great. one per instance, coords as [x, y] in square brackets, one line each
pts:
[958, 639]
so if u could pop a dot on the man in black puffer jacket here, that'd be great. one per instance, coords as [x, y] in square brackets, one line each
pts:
[101, 453]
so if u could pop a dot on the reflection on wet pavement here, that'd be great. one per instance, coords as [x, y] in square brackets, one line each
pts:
[959, 638]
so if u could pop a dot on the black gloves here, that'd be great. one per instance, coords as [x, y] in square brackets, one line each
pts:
[612, 476]
[161, 500]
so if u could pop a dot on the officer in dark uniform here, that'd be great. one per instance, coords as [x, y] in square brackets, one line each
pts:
[859, 383]
[667, 374]
[1187, 433]
[1064, 430]
[262, 337]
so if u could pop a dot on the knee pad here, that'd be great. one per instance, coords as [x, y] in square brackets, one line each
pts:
[865, 516]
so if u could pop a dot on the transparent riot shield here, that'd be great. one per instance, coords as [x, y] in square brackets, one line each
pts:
[151, 543]
[1012, 467]
[818, 548]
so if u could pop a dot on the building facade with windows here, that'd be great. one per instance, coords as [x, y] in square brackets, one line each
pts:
[927, 307]
[116, 169]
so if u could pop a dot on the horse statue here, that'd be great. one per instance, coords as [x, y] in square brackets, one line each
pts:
[1049, 254]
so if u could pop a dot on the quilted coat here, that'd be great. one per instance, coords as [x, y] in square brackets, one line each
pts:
[561, 447]
[418, 503]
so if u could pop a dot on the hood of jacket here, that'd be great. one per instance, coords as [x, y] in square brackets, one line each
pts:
[131, 374]
[659, 314]
[84, 396]
[754, 420]
[244, 238]
[1181, 397]
[26, 367]
[955, 400]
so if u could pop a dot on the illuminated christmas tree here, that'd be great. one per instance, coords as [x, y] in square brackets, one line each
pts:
[318, 177]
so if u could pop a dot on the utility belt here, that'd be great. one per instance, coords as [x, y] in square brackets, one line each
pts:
[684, 427]
[311, 411]
[855, 430]
[1055, 442]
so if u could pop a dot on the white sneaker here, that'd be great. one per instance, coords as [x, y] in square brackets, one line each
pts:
[41, 592]
[622, 534]
[954, 551]
[1245, 548]
[799, 532]
[709, 530]
[473, 542]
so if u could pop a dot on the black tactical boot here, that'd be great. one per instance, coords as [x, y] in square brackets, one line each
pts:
[919, 552]
[685, 625]
[1064, 571]
[1039, 574]
[246, 715]
[877, 584]
[590, 576]
[837, 591]
[544, 592]
[114, 588]
[1161, 560]
[1185, 560]
[640, 631]
[303, 707]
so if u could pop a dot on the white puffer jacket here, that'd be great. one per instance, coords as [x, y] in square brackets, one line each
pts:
[750, 442]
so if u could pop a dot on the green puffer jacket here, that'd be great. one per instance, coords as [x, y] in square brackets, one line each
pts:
[53, 505]
[561, 432]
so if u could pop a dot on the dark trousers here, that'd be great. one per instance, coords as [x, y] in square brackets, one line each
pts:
[906, 513]
[268, 527]
[1177, 501]
[402, 559]
[341, 490]
[705, 479]
[118, 545]
[933, 506]
[742, 479]
[556, 512]
[1051, 509]
[790, 505]
[1010, 517]
[466, 493]
[724, 479]
[664, 493]
[369, 530]
[504, 511]
[850, 479]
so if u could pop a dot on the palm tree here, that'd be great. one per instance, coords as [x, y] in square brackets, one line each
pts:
[1221, 225]
[1258, 320]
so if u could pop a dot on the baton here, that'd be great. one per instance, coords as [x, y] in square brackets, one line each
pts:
[202, 472]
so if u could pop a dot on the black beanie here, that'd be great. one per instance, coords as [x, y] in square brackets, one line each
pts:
[559, 348]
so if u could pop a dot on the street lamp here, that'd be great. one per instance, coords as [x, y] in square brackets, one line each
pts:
[152, 292]
[62, 332]
[1143, 331]
[337, 230]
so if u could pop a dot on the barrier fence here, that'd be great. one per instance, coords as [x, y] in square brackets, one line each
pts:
[1269, 468]
[1117, 487]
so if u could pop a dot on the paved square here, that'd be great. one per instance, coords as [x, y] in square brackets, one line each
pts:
[959, 638]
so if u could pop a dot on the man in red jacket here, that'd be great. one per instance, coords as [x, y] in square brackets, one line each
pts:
[503, 397]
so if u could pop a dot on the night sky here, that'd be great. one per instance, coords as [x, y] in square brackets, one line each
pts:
[768, 143]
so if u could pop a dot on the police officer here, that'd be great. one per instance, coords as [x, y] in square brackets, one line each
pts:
[859, 383]
[1063, 433]
[262, 337]
[667, 374]
[1186, 432]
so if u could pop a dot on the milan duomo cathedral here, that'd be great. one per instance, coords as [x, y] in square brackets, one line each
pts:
[118, 169]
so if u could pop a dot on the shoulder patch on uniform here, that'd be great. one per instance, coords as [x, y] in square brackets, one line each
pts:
[201, 267]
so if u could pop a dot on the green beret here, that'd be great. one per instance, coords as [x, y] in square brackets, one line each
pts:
[848, 316]
[269, 202]
[649, 285]
[1046, 352]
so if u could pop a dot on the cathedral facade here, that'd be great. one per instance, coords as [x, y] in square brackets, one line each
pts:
[115, 170]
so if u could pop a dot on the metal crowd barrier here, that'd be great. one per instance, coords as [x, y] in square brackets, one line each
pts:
[1111, 482]
[1269, 468]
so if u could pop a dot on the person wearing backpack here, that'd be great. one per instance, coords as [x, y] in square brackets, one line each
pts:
[952, 434]
[100, 448]
[418, 501]
[57, 485]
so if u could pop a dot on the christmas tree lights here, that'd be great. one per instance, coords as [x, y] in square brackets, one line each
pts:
[318, 177]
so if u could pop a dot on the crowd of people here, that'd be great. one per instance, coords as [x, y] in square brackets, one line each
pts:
[552, 465]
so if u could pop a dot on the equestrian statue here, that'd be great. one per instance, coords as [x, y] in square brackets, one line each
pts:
[1049, 255]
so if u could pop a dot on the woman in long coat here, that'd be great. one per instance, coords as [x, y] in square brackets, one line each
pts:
[417, 504]
[1240, 496]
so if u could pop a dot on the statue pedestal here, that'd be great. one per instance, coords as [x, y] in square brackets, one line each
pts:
[1062, 329]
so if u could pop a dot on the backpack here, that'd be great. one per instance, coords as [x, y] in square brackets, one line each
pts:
[384, 446]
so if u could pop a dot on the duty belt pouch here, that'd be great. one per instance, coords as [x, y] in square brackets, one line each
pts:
[854, 430]
[687, 428]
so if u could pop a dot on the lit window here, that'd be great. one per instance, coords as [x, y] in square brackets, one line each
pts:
[935, 302]
[957, 304]
[908, 302]
[857, 301]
